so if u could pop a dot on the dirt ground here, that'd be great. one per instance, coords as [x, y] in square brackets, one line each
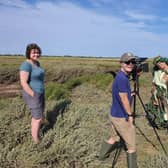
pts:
[10, 90]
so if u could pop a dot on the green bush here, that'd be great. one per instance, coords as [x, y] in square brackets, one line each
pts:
[72, 83]
[60, 91]
[100, 80]
[55, 91]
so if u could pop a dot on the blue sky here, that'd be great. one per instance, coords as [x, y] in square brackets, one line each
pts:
[85, 27]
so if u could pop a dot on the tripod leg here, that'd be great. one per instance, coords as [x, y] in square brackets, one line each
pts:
[121, 144]
[116, 155]
[154, 129]
[133, 102]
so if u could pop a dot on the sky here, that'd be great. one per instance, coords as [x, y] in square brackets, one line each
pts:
[102, 28]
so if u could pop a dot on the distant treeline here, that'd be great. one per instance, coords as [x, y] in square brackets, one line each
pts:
[103, 57]
[7, 55]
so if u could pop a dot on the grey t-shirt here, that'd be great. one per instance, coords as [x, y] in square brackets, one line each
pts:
[36, 76]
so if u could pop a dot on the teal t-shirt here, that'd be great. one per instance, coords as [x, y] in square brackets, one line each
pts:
[36, 76]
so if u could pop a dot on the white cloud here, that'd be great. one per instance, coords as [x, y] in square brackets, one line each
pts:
[14, 3]
[65, 29]
[140, 16]
[96, 2]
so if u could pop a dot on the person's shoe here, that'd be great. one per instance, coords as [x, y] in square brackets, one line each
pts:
[106, 149]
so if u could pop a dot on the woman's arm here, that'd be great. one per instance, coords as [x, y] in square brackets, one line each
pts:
[24, 76]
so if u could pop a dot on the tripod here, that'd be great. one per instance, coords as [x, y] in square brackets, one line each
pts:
[136, 94]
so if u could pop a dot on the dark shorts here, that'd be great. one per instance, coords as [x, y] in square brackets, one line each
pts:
[36, 104]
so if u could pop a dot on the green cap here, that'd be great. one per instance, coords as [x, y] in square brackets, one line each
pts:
[156, 60]
[160, 59]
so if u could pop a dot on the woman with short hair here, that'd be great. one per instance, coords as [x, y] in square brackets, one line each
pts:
[32, 82]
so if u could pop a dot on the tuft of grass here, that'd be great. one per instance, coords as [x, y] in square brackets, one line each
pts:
[72, 83]
[55, 91]
[156, 161]
[101, 80]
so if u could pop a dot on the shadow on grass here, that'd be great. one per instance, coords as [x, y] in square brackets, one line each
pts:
[52, 115]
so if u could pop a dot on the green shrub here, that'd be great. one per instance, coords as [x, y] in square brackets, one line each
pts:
[55, 91]
[72, 83]
[60, 91]
[101, 80]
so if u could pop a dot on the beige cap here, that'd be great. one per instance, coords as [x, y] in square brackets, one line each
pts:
[127, 56]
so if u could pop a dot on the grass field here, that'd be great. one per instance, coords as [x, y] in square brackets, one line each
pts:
[78, 99]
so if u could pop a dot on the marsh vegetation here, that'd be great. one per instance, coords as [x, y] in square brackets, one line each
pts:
[78, 99]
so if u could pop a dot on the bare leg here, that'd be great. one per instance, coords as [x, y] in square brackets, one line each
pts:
[111, 141]
[131, 150]
[35, 126]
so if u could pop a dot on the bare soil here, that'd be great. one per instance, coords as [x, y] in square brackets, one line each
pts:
[10, 90]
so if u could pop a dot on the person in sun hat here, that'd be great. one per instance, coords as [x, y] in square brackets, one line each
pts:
[121, 115]
[160, 67]
[160, 84]
[159, 59]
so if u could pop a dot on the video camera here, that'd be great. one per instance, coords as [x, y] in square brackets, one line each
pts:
[139, 67]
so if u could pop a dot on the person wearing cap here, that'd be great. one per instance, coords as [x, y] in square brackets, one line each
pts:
[160, 84]
[121, 115]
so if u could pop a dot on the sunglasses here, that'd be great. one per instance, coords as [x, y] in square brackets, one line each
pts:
[128, 62]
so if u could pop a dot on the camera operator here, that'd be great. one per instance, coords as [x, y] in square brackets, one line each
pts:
[121, 114]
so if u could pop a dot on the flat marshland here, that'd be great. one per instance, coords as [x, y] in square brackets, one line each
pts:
[78, 99]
